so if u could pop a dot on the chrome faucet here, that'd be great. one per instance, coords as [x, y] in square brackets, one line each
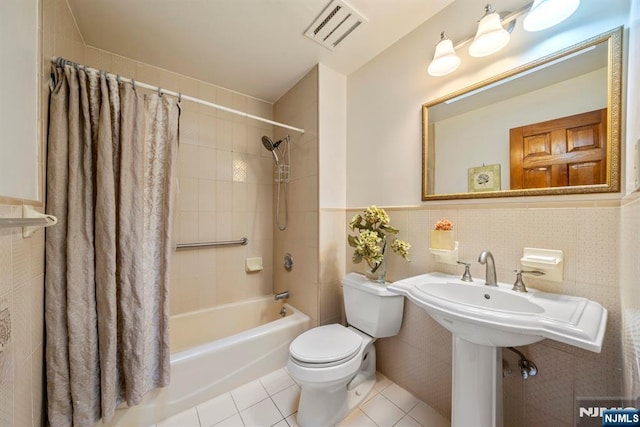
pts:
[486, 257]
[281, 295]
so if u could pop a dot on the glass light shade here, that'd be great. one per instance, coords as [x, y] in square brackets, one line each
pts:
[445, 60]
[491, 36]
[547, 13]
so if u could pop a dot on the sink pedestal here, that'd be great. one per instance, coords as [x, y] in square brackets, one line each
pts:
[483, 319]
[477, 385]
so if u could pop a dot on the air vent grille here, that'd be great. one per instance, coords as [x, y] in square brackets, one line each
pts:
[334, 24]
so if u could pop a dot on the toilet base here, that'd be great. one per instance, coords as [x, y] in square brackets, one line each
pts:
[330, 403]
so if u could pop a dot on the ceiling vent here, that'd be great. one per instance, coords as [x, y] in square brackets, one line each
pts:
[334, 24]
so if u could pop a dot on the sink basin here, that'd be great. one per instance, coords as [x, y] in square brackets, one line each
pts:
[500, 317]
[484, 297]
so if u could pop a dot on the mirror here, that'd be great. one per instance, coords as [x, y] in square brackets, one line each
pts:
[549, 127]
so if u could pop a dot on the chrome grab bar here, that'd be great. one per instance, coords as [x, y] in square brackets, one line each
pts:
[240, 242]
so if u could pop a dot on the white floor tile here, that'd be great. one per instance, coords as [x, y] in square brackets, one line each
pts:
[407, 421]
[427, 416]
[248, 394]
[400, 397]
[384, 406]
[382, 382]
[216, 410]
[357, 419]
[287, 400]
[382, 411]
[188, 418]
[233, 421]
[276, 381]
[373, 393]
[292, 421]
[262, 414]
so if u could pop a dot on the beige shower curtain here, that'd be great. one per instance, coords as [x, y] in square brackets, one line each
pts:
[110, 182]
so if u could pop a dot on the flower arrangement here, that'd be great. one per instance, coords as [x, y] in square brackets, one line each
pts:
[370, 242]
[442, 235]
[444, 224]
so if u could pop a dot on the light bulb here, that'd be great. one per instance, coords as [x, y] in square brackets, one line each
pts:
[547, 13]
[445, 60]
[491, 35]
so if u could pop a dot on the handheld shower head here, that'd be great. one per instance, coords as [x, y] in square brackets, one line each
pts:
[269, 145]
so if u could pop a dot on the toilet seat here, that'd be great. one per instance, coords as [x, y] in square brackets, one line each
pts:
[325, 346]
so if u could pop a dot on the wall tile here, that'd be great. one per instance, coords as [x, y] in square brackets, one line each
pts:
[188, 161]
[207, 163]
[207, 195]
[597, 243]
[20, 258]
[22, 394]
[224, 165]
[6, 276]
[21, 324]
[207, 130]
[552, 388]
[98, 59]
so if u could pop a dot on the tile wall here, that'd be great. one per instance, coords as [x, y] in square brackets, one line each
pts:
[629, 280]
[299, 108]
[419, 358]
[21, 324]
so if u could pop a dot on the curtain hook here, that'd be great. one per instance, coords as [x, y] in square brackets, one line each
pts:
[159, 91]
[118, 78]
[133, 83]
[179, 96]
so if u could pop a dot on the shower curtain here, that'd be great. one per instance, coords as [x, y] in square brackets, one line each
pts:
[110, 181]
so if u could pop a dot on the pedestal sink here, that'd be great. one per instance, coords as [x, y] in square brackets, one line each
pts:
[482, 319]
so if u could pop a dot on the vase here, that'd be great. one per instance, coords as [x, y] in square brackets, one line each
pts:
[377, 272]
[442, 239]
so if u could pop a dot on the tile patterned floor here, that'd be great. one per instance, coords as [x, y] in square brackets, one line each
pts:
[273, 400]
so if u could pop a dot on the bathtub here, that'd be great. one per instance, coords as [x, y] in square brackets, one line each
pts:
[216, 350]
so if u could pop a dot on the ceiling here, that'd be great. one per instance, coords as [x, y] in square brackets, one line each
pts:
[255, 47]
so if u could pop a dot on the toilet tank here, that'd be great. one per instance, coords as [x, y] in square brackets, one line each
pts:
[370, 307]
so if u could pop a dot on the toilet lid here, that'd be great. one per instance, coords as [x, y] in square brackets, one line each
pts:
[325, 344]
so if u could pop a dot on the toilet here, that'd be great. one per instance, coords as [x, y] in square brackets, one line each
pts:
[335, 365]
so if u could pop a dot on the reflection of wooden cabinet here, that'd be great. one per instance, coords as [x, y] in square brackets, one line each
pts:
[563, 152]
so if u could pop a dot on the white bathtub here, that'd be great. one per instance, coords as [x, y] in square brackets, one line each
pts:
[216, 350]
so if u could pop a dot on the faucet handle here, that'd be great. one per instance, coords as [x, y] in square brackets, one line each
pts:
[534, 272]
[466, 276]
[519, 285]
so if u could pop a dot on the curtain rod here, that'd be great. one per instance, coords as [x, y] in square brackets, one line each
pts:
[180, 96]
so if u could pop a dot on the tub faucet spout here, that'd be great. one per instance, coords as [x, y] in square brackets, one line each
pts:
[486, 257]
[282, 295]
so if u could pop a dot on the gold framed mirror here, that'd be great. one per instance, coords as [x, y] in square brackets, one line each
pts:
[549, 127]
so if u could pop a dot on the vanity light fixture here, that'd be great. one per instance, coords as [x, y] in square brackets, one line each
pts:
[445, 60]
[491, 35]
[547, 13]
[494, 31]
